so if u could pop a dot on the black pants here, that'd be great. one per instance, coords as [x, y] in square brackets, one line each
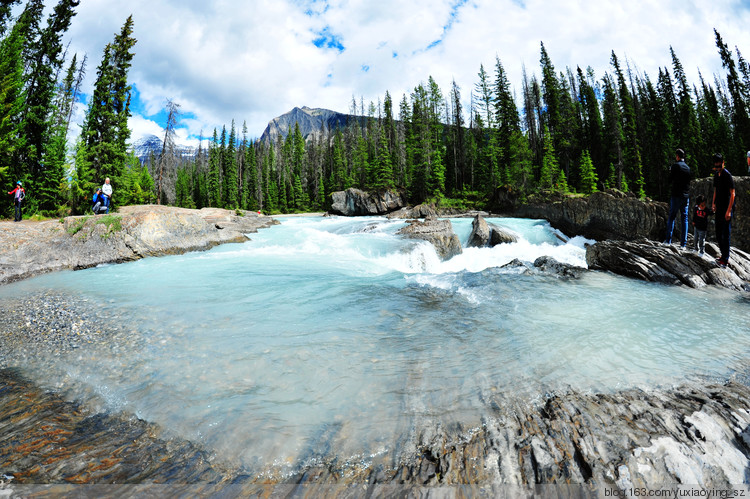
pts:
[18, 212]
[723, 233]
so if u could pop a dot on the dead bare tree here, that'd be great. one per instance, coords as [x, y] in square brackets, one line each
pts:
[167, 156]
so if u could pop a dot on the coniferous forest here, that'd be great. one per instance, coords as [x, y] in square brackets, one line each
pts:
[565, 131]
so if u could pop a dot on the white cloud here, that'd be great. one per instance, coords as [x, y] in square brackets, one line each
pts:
[253, 61]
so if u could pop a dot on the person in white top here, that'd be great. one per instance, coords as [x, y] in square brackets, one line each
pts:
[107, 192]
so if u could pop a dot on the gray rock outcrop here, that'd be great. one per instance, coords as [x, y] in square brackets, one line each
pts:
[419, 211]
[354, 202]
[655, 262]
[438, 232]
[484, 234]
[134, 232]
[603, 215]
[741, 219]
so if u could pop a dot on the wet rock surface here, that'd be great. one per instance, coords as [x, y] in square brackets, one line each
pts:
[32, 248]
[694, 434]
[697, 433]
[669, 264]
[484, 234]
[419, 211]
[436, 231]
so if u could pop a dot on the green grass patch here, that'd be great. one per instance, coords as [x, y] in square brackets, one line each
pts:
[75, 228]
[112, 222]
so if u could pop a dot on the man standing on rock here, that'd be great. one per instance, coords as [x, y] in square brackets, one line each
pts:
[107, 192]
[723, 206]
[679, 177]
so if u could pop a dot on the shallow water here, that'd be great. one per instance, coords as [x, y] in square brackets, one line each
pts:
[336, 332]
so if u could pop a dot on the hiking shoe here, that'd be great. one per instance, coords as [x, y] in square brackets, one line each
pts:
[721, 263]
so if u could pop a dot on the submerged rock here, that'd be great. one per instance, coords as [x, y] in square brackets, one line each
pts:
[549, 265]
[354, 202]
[695, 434]
[438, 232]
[655, 262]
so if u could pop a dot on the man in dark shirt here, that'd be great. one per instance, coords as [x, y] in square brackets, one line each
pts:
[723, 206]
[679, 176]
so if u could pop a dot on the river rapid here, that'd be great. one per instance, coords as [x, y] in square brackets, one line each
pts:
[337, 333]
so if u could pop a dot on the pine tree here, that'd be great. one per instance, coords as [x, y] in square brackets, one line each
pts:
[589, 179]
[551, 176]
[592, 128]
[12, 98]
[214, 172]
[383, 169]
[6, 7]
[739, 97]
[632, 166]
[687, 120]
[229, 169]
[612, 133]
[456, 157]
[105, 131]
[508, 124]
[658, 140]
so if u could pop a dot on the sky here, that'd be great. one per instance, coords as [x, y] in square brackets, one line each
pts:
[251, 61]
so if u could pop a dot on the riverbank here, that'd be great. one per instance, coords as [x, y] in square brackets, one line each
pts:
[134, 232]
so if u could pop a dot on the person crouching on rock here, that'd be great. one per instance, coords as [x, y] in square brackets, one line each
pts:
[97, 203]
[679, 176]
[700, 223]
[18, 194]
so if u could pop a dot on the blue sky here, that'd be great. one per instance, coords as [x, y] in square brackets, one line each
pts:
[251, 61]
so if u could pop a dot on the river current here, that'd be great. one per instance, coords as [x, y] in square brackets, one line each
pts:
[337, 326]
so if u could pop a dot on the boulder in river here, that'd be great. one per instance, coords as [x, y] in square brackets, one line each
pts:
[354, 202]
[438, 232]
[484, 234]
[419, 211]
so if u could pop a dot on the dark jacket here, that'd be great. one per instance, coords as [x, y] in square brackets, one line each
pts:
[679, 176]
[700, 217]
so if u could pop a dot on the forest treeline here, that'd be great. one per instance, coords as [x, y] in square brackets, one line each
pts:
[565, 131]
[574, 133]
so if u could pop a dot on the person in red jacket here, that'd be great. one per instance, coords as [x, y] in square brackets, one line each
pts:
[18, 195]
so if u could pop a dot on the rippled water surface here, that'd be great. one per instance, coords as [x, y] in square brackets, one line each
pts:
[336, 326]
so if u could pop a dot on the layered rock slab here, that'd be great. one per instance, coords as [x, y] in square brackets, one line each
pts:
[655, 262]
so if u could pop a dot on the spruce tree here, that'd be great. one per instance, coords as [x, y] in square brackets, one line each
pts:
[105, 131]
[12, 99]
[214, 172]
[6, 7]
[632, 166]
[589, 179]
[739, 100]
[229, 169]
